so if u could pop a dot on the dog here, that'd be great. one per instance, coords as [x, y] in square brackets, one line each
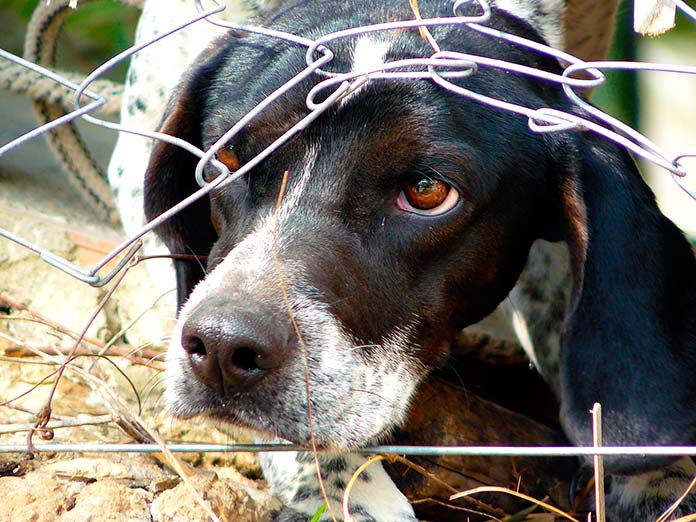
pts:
[409, 213]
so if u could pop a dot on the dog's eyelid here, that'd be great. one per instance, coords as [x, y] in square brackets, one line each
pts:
[439, 173]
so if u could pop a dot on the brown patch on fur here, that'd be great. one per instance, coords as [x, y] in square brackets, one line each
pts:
[589, 26]
[575, 215]
[446, 413]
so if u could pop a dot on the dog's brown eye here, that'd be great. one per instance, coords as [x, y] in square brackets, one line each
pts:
[228, 157]
[428, 197]
[426, 194]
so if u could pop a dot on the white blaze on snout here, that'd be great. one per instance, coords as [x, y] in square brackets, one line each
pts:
[298, 185]
[255, 254]
[250, 256]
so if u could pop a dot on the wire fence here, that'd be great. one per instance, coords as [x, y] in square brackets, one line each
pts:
[440, 67]
[395, 449]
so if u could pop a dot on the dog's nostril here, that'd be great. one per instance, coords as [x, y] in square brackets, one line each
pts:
[195, 346]
[245, 358]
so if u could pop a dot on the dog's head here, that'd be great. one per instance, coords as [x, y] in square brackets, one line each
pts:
[407, 214]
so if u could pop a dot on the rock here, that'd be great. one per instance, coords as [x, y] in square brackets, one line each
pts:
[109, 501]
[161, 484]
[38, 497]
[28, 213]
[127, 488]
[229, 501]
[88, 469]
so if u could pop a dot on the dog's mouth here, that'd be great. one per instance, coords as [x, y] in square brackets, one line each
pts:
[328, 427]
[355, 400]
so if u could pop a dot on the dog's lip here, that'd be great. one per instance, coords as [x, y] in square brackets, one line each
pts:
[272, 431]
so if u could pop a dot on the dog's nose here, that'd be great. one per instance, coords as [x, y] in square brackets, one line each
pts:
[230, 352]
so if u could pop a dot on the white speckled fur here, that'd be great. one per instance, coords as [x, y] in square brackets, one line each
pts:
[546, 16]
[283, 470]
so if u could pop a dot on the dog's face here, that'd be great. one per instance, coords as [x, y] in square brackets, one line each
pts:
[396, 227]
[342, 266]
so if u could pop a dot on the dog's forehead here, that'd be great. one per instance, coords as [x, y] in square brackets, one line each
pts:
[384, 131]
[366, 150]
[354, 160]
[255, 66]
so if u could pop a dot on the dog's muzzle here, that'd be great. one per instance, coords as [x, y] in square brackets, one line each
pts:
[244, 354]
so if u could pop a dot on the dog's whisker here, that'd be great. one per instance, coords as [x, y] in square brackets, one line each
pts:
[365, 347]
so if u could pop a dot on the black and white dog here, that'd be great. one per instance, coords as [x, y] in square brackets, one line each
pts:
[409, 214]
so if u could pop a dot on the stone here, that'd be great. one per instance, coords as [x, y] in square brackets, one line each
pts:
[229, 501]
[88, 469]
[38, 497]
[109, 500]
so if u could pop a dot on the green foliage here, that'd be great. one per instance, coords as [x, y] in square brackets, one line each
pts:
[95, 32]
[319, 512]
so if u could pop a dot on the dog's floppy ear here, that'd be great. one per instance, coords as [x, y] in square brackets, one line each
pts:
[630, 333]
[170, 178]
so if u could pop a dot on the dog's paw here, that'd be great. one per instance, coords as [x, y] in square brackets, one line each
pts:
[645, 497]
[293, 478]
[290, 515]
